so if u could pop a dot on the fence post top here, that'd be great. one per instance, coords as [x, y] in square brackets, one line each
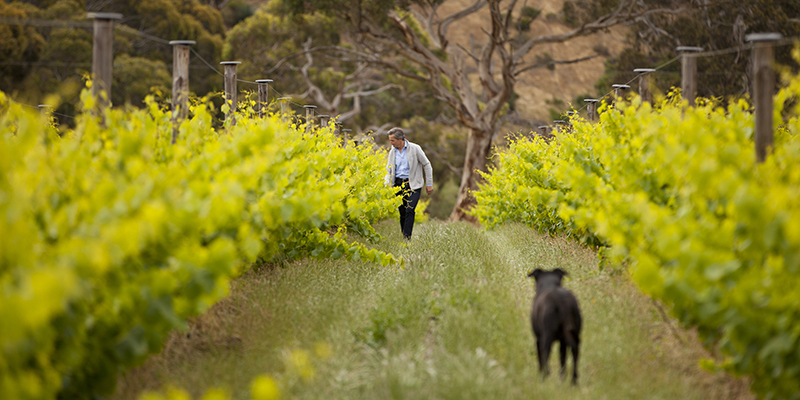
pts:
[322, 116]
[543, 126]
[644, 70]
[688, 48]
[230, 63]
[570, 113]
[263, 80]
[591, 100]
[619, 86]
[347, 130]
[763, 37]
[182, 42]
[559, 121]
[103, 15]
[309, 106]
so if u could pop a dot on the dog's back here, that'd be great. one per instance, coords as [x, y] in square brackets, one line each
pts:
[556, 311]
[555, 317]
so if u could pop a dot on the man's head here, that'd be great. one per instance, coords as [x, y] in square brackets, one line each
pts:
[397, 138]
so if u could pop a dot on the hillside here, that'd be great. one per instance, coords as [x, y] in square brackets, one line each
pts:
[539, 89]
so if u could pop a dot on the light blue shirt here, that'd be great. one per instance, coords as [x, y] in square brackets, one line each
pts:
[401, 162]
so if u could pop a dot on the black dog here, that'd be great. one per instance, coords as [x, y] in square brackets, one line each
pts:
[555, 316]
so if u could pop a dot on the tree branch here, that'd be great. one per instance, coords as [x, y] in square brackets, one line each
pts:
[467, 52]
[485, 65]
[313, 90]
[415, 51]
[451, 167]
[507, 23]
[359, 57]
[499, 94]
[354, 111]
[606, 21]
[554, 62]
[373, 92]
[380, 130]
[319, 97]
[444, 24]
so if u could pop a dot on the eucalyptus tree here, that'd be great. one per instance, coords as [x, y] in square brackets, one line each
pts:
[410, 38]
[274, 45]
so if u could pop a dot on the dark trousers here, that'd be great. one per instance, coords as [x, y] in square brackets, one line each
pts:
[410, 200]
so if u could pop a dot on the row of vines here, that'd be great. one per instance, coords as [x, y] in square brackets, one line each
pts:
[110, 237]
[675, 194]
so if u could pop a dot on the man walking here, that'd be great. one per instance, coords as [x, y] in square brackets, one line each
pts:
[405, 164]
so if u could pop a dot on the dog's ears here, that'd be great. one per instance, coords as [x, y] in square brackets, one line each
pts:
[561, 273]
[535, 273]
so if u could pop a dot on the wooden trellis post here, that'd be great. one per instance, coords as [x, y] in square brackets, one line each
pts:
[323, 120]
[568, 121]
[689, 72]
[644, 83]
[543, 130]
[337, 129]
[763, 86]
[263, 96]
[559, 125]
[619, 90]
[284, 116]
[230, 89]
[345, 131]
[103, 56]
[180, 83]
[309, 117]
[591, 109]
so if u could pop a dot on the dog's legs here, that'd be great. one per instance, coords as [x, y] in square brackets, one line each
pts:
[544, 345]
[539, 356]
[563, 356]
[575, 362]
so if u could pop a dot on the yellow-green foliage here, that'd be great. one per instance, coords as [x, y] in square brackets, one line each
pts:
[678, 195]
[111, 237]
[421, 215]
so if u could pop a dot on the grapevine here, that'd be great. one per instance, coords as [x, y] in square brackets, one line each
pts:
[676, 194]
[111, 237]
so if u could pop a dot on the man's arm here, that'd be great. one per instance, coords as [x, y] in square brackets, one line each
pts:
[428, 169]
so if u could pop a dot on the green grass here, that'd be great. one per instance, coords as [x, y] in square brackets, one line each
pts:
[452, 324]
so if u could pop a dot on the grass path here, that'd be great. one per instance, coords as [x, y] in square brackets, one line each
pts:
[452, 324]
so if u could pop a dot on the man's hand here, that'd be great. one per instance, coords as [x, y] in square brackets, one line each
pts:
[429, 189]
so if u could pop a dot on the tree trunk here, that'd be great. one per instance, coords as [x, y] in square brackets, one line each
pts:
[479, 144]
